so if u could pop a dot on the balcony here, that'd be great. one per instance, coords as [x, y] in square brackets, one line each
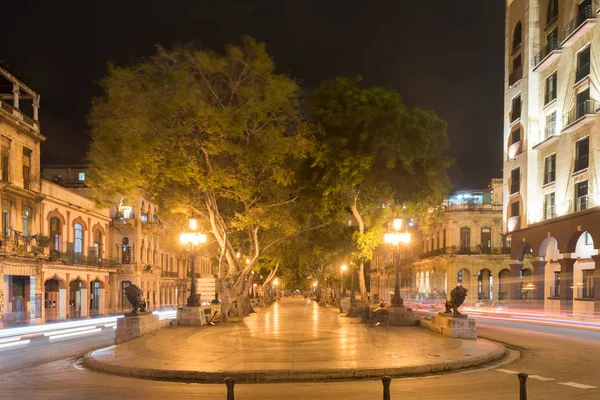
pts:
[578, 26]
[72, 258]
[582, 73]
[549, 137]
[19, 117]
[451, 207]
[550, 53]
[514, 150]
[170, 274]
[580, 115]
[515, 76]
[125, 223]
[549, 213]
[513, 223]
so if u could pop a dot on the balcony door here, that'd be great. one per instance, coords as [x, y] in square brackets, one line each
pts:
[465, 240]
[582, 105]
[486, 240]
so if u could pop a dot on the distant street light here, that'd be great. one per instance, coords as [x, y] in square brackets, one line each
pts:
[192, 239]
[396, 238]
[343, 268]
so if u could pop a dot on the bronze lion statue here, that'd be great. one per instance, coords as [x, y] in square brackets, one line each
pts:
[457, 297]
[136, 298]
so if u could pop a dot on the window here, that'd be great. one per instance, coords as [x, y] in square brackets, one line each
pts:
[549, 206]
[555, 290]
[588, 239]
[515, 136]
[78, 245]
[550, 88]
[581, 196]
[6, 218]
[517, 63]
[514, 209]
[515, 180]
[550, 129]
[517, 36]
[82, 176]
[583, 64]
[126, 251]
[550, 169]
[98, 243]
[460, 276]
[552, 11]
[516, 109]
[26, 168]
[55, 231]
[582, 149]
[5, 158]
[26, 220]
[587, 291]
[486, 240]
[465, 239]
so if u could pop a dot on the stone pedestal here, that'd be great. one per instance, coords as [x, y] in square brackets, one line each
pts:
[456, 326]
[401, 316]
[133, 326]
[191, 316]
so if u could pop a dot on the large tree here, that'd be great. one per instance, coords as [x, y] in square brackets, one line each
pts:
[216, 136]
[372, 152]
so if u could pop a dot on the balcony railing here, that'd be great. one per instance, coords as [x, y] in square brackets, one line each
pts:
[583, 109]
[576, 23]
[472, 207]
[551, 48]
[584, 292]
[549, 212]
[123, 222]
[17, 114]
[72, 258]
[170, 274]
[515, 76]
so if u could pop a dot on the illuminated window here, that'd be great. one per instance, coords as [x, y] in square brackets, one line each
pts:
[581, 196]
[550, 129]
[78, 245]
[549, 206]
[82, 176]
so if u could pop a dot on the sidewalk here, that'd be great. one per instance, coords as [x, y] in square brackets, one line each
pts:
[288, 341]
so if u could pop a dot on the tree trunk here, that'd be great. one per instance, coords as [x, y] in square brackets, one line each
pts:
[361, 266]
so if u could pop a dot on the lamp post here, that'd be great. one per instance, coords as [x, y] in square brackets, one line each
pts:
[352, 297]
[192, 239]
[396, 238]
[343, 268]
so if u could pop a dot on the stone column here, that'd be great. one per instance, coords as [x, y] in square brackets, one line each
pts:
[566, 283]
[597, 283]
[67, 295]
[539, 281]
[16, 92]
[3, 299]
[36, 107]
[515, 281]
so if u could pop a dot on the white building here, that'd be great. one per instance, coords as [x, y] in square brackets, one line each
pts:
[551, 134]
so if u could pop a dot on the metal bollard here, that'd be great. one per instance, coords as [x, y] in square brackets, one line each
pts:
[523, 386]
[230, 382]
[386, 380]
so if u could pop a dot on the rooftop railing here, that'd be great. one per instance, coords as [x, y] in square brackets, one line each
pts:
[18, 114]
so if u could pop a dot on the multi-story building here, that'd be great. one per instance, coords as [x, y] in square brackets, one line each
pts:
[143, 245]
[466, 246]
[551, 186]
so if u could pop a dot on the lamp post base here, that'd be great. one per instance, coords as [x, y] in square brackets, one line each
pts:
[191, 316]
[193, 300]
[397, 301]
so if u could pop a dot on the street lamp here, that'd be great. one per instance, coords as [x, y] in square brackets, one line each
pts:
[395, 239]
[343, 268]
[192, 239]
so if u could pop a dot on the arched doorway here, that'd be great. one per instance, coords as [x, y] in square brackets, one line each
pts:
[527, 286]
[77, 299]
[52, 299]
[96, 298]
[503, 284]
[485, 285]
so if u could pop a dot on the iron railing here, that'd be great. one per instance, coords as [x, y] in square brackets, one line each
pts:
[584, 108]
[549, 48]
[575, 23]
[549, 212]
[585, 292]
[72, 258]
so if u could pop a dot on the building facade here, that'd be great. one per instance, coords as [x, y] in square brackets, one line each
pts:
[551, 132]
[466, 246]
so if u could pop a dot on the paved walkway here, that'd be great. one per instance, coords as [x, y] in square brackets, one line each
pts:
[291, 340]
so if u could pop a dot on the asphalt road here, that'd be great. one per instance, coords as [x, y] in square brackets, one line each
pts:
[563, 363]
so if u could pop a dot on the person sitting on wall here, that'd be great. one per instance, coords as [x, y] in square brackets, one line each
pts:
[381, 313]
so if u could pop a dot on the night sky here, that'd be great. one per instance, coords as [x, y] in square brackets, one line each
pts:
[444, 55]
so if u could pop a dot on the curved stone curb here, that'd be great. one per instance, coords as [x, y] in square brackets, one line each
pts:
[291, 376]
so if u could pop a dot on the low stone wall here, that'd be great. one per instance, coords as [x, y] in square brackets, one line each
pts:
[456, 326]
[132, 327]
